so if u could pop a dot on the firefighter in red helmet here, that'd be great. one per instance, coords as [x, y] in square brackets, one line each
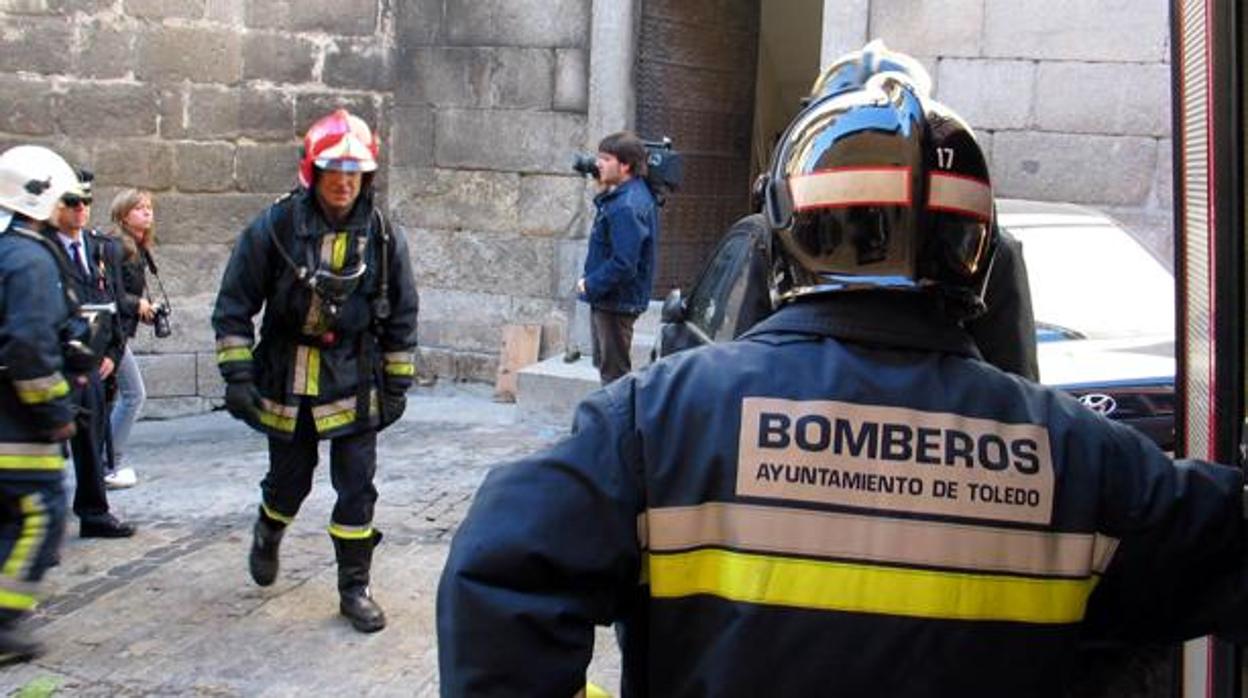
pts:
[336, 354]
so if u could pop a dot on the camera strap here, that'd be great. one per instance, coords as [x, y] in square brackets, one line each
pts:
[151, 266]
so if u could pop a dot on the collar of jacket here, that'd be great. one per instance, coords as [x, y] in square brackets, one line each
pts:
[316, 224]
[897, 319]
[619, 190]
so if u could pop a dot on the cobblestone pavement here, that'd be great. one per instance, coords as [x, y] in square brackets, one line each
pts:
[173, 612]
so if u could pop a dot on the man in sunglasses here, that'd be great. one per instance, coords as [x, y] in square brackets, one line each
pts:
[337, 351]
[94, 262]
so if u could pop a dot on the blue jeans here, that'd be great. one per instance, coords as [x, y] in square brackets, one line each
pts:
[130, 397]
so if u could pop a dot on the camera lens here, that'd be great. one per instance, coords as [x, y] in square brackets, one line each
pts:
[586, 165]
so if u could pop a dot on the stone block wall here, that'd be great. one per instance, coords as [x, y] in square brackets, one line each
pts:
[1071, 98]
[490, 104]
[479, 105]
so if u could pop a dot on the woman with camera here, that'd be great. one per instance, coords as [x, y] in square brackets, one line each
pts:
[134, 219]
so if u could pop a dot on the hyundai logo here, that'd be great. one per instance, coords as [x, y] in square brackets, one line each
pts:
[1099, 403]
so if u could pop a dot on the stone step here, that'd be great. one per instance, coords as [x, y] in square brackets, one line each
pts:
[552, 388]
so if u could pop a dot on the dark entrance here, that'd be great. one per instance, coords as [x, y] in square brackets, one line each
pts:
[695, 83]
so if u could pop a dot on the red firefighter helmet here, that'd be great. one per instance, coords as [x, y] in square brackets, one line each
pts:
[339, 141]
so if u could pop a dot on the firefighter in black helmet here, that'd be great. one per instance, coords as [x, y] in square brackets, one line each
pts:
[1005, 332]
[847, 500]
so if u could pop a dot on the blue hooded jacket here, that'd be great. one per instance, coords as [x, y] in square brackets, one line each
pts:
[619, 267]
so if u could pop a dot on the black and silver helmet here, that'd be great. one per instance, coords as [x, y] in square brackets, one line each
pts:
[852, 71]
[881, 188]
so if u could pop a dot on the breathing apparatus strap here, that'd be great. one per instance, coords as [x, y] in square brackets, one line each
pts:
[62, 265]
[379, 307]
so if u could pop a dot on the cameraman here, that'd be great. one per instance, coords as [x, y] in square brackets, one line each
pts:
[132, 214]
[619, 266]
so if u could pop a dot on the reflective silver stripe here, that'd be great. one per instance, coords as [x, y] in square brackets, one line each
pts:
[851, 186]
[30, 449]
[400, 357]
[299, 379]
[949, 192]
[877, 539]
[232, 341]
[331, 408]
[277, 408]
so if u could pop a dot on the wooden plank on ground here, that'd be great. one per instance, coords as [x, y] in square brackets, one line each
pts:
[520, 348]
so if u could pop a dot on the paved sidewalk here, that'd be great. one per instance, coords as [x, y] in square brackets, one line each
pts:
[173, 612]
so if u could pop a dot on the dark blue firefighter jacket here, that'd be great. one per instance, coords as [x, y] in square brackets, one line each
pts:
[846, 501]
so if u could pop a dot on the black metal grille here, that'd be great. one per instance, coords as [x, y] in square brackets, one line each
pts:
[695, 78]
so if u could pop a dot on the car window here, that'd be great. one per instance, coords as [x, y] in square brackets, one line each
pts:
[712, 297]
[1095, 279]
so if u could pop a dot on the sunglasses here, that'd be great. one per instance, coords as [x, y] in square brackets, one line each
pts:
[73, 200]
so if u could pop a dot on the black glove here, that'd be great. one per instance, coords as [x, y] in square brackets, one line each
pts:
[242, 401]
[393, 403]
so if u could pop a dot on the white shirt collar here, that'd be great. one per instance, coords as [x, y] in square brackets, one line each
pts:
[67, 242]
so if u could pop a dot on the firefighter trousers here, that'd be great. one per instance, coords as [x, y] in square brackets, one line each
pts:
[352, 464]
[32, 524]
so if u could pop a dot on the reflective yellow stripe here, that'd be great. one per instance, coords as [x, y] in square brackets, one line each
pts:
[350, 532]
[771, 530]
[314, 371]
[836, 586]
[334, 421]
[35, 397]
[339, 256]
[276, 515]
[9, 462]
[333, 415]
[277, 421]
[277, 416]
[34, 527]
[34, 391]
[234, 354]
[400, 369]
[16, 601]
[306, 377]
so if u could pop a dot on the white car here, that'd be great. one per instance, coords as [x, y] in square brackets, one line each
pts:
[1103, 304]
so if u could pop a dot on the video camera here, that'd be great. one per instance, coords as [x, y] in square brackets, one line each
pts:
[664, 167]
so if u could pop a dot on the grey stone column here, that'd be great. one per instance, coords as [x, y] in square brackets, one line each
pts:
[845, 27]
[612, 107]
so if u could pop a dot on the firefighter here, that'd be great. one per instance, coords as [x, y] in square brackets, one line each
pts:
[336, 354]
[1005, 333]
[36, 416]
[847, 500]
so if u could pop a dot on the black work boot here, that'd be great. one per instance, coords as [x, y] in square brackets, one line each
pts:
[265, 539]
[355, 559]
[16, 644]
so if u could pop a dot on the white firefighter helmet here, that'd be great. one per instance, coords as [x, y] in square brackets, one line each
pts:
[32, 180]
